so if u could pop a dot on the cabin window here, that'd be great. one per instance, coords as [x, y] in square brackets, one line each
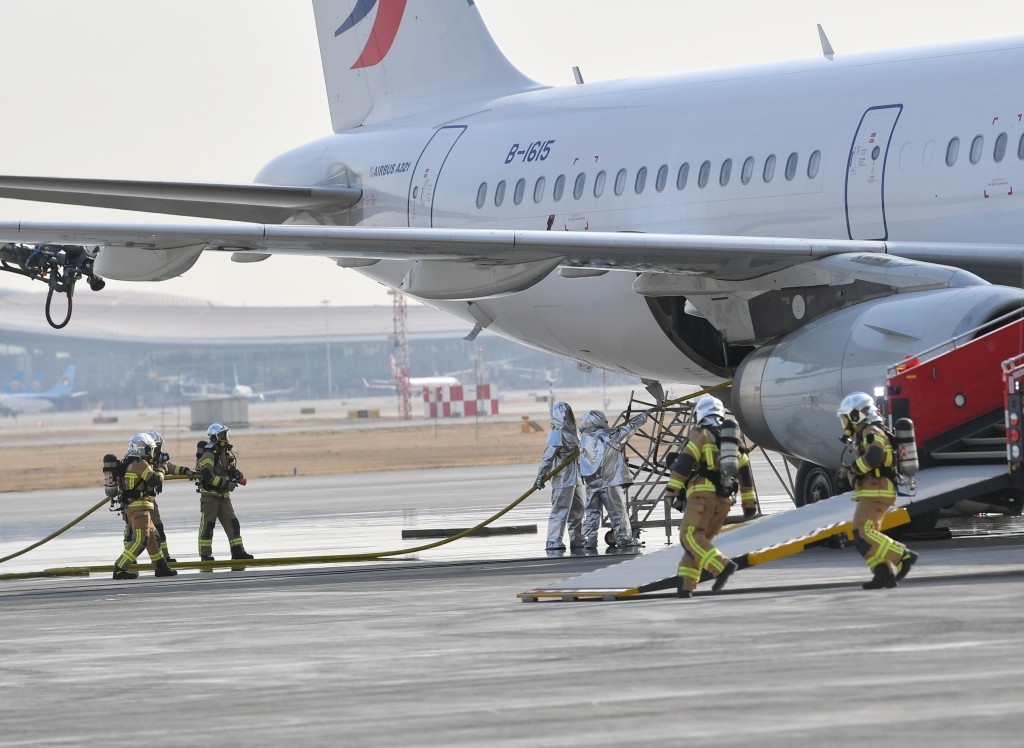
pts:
[999, 152]
[641, 180]
[620, 181]
[791, 163]
[662, 180]
[769, 168]
[481, 195]
[538, 189]
[499, 194]
[581, 182]
[684, 171]
[517, 196]
[725, 173]
[952, 151]
[704, 174]
[599, 181]
[748, 170]
[813, 164]
[559, 187]
[1020, 148]
[976, 145]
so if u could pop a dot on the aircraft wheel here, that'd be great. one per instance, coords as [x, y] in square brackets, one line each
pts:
[609, 539]
[813, 483]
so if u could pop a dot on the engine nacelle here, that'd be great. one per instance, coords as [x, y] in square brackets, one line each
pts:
[144, 264]
[785, 394]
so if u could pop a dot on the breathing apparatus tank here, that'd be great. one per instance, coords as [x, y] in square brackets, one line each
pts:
[729, 449]
[111, 484]
[906, 447]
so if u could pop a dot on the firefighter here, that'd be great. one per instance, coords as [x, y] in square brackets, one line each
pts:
[138, 484]
[567, 497]
[707, 499]
[162, 464]
[606, 473]
[219, 477]
[873, 477]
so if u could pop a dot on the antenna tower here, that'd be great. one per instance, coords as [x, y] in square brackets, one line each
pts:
[401, 338]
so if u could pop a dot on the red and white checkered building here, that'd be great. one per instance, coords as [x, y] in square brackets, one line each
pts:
[459, 401]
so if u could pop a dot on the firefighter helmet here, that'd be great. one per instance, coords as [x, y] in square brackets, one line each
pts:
[217, 433]
[856, 408]
[709, 411]
[157, 439]
[141, 447]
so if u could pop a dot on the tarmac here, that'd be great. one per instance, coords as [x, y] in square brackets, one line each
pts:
[437, 650]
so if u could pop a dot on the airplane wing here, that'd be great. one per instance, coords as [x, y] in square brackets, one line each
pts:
[477, 263]
[232, 202]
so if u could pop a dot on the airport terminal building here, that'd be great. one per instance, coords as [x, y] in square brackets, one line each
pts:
[131, 349]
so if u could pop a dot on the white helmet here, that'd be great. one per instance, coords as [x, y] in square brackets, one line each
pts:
[709, 411]
[856, 408]
[141, 447]
[217, 432]
[157, 439]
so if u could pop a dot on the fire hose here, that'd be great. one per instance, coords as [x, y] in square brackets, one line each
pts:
[307, 560]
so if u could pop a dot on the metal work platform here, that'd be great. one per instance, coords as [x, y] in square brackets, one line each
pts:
[766, 539]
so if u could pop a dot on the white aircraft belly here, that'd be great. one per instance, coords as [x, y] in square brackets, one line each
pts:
[598, 321]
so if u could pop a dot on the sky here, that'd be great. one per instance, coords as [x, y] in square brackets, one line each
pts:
[210, 90]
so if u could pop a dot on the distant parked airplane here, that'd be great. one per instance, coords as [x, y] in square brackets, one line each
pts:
[16, 403]
[237, 390]
[414, 382]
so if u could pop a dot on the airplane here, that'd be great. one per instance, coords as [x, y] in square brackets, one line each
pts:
[236, 390]
[17, 403]
[795, 227]
[414, 382]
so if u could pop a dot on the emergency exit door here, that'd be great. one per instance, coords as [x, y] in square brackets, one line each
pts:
[427, 174]
[865, 173]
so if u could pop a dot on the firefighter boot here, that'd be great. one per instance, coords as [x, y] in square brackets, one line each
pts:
[883, 578]
[730, 568]
[163, 570]
[120, 573]
[206, 558]
[908, 560]
[681, 590]
[238, 553]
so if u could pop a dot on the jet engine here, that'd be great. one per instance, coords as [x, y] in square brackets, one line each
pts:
[785, 394]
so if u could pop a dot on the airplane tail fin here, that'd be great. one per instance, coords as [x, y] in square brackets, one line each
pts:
[394, 369]
[65, 383]
[384, 59]
[16, 384]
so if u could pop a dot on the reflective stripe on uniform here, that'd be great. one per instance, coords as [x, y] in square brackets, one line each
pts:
[688, 572]
[710, 558]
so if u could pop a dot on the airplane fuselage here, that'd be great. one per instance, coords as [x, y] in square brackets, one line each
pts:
[854, 148]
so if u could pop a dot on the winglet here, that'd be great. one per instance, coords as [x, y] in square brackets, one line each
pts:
[826, 47]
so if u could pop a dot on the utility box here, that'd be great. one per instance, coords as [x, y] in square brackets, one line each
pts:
[232, 411]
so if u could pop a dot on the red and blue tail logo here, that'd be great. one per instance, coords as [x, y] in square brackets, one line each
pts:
[385, 28]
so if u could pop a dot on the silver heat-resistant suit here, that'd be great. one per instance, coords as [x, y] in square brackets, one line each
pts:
[567, 495]
[606, 473]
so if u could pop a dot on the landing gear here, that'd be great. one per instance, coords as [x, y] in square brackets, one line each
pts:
[813, 483]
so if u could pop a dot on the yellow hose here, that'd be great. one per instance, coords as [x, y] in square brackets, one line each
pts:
[305, 560]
